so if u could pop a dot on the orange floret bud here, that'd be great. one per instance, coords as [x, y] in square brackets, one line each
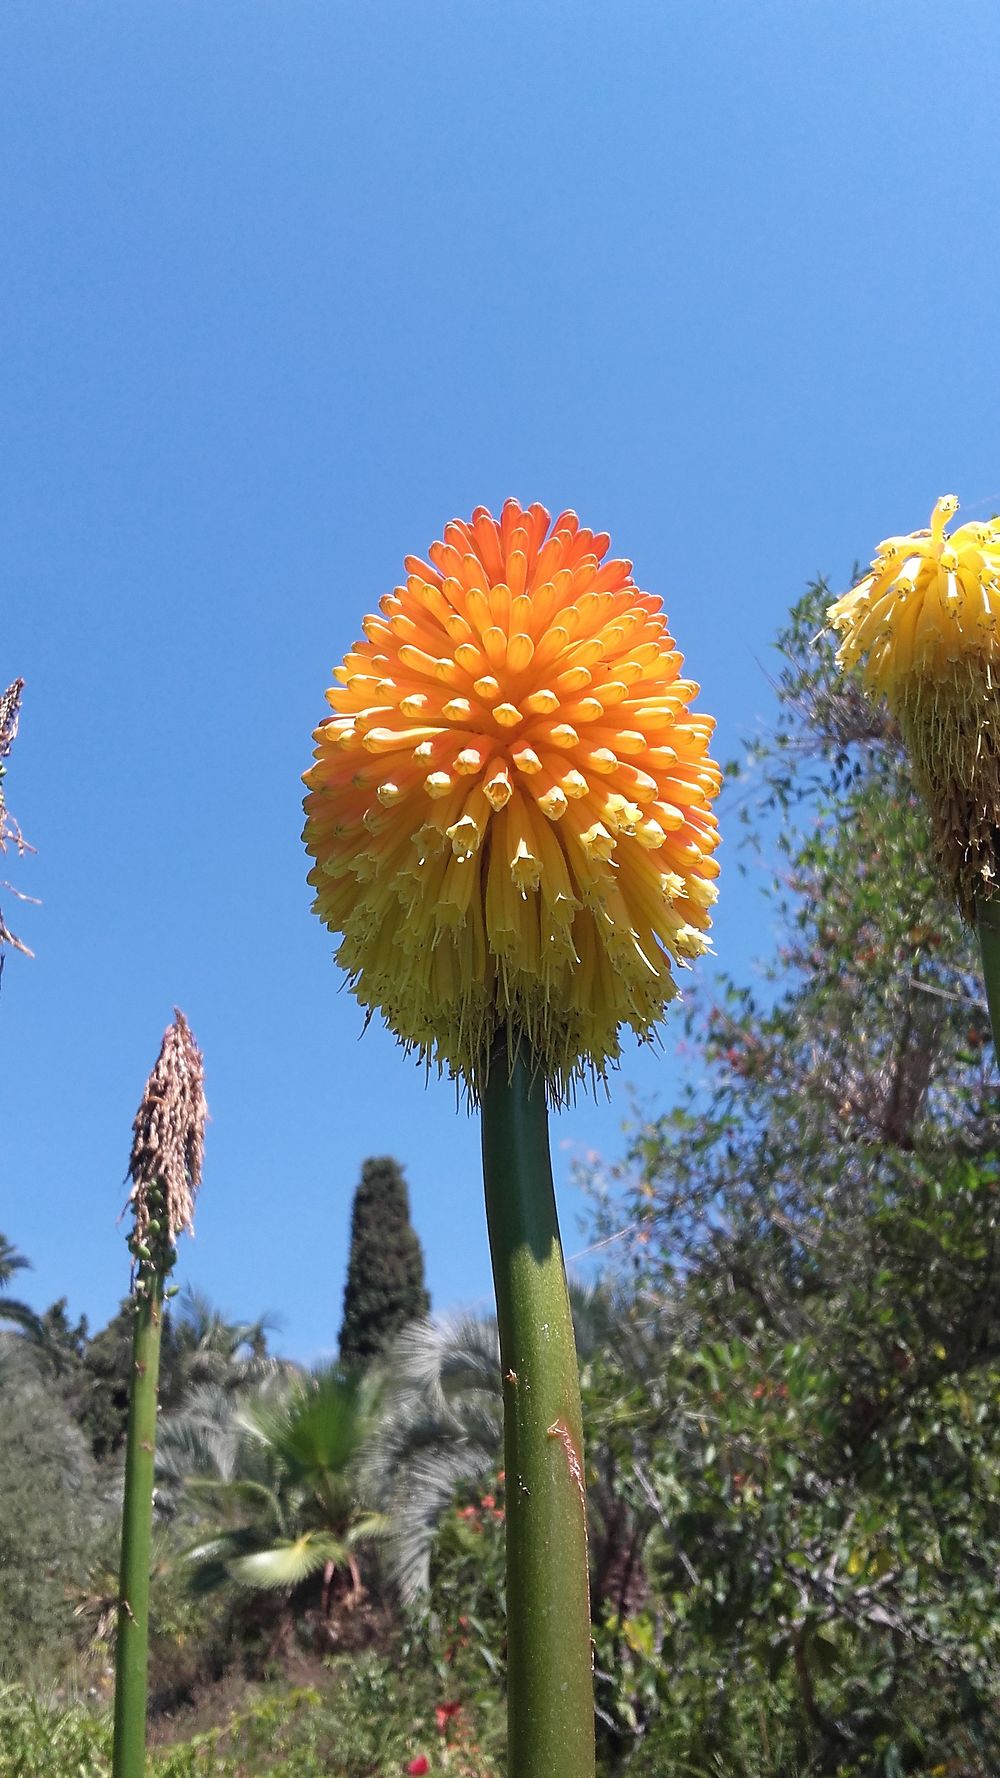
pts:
[521, 799]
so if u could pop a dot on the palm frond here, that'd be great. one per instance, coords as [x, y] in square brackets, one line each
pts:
[274, 1470]
[316, 1425]
[441, 1356]
[441, 1426]
[209, 1349]
[11, 1261]
[199, 1438]
[369, 1528]
[417, 1514]
[232, 1496]
[285, 1564]
[19, 1315]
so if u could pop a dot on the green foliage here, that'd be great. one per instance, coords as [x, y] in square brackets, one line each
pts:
[65, 1339]
[38, 1740]
[368, 1721]
[13, 1313]
[464, 1612]
[202, 1347]
[107, 1366]
[199, 1347]
[278, 1495]
[457, 1633]
[859, 1598]
[48, 1509]
[192, 1640]
[792, 1409]
[385, 1273]
[808, 1432]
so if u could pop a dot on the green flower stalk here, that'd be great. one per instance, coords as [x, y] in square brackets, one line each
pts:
[988, 934]
[165, 1170]
[923, 626]
[549, 1676]
[511, 819]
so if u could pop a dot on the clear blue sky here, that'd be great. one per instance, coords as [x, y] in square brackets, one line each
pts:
[289, 283]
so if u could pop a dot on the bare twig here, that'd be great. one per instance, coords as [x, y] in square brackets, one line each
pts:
[656, 1508]
[948, 994]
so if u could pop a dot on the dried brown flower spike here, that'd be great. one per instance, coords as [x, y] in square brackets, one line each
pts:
[168, 1138]
[165, 1169]
[10, 832]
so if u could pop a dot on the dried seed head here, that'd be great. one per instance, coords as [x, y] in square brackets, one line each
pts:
[10, 709]
[10, 832]
[952, 733]
[168, 1140]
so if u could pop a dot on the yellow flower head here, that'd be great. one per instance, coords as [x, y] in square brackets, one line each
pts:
[511, 807]
[924, 624]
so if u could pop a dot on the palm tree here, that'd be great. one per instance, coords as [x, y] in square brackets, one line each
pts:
[204, 1349]
[198, 1441]
[15, 1313]
[441, 1425]
[277, 1475]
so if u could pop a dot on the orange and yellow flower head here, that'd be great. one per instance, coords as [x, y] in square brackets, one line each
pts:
[923, 626]
[511, 806]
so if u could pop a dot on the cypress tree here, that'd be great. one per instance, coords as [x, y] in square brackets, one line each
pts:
[385, 1271]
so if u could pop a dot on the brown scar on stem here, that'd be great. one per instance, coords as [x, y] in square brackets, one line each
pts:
[561, 1431]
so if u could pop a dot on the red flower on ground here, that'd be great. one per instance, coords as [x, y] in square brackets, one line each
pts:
[417, 1767]
[443, 1714]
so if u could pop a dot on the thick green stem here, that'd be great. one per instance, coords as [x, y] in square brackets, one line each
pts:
[550, 1685]
[137, 1535]
[988, 933]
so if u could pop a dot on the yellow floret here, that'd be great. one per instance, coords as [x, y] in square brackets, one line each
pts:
[923, 628]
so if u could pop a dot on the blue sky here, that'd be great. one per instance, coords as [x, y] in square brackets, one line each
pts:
[289, 283]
